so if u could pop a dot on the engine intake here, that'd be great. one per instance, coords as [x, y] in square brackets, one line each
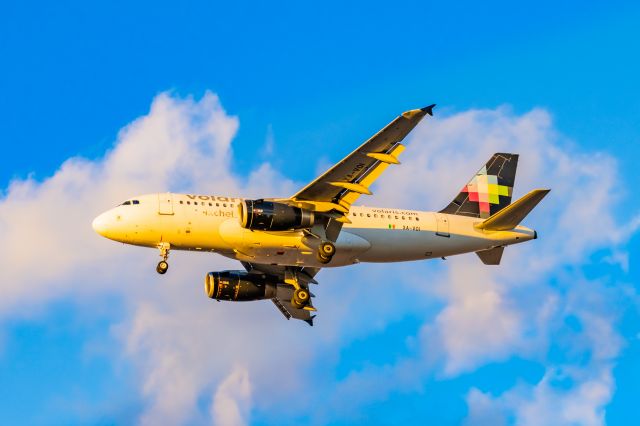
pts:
[239, 286]
[261, 215]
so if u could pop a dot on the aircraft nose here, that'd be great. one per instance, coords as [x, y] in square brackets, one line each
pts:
[100, 224]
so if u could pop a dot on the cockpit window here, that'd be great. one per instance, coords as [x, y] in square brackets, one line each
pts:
[126, 203]
[135, 202]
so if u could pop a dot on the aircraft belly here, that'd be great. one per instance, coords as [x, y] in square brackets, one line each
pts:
[394, 245]
[390, 245]
[261, 246]
[349, 248]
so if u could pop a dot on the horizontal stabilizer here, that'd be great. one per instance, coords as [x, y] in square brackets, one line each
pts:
[491, 256]
[510, 216]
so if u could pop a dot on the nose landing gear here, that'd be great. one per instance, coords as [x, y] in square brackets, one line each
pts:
[162, 267]
[326, 250]
[164, 254]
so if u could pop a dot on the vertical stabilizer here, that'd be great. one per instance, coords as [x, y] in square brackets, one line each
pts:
[489, 191]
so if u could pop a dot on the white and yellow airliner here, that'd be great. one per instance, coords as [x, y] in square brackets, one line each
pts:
[283, 243]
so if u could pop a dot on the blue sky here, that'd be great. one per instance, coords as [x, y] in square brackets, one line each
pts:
[317, 81]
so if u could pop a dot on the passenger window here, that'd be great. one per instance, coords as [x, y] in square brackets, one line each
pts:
[402, 217]
[375, 215]
[189, 202]
[354, 213]
[209, 204]
[368, 215]
[389, 216]
[181, 202]
[224, 205]
[230, 205]
[217, 204]
[417, 219]
[396, 217]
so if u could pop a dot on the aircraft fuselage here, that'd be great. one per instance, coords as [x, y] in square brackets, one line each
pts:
[211, 224]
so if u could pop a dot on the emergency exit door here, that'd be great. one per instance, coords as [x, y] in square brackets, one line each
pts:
[165, 203]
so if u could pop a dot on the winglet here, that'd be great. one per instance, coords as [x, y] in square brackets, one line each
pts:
[310, 320]
[428, 109]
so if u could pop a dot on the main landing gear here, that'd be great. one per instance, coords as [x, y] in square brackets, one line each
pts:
[301, 296]
[164, 254]
[326, 250]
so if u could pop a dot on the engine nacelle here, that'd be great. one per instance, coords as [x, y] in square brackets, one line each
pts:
[261, 215]
[239, 286]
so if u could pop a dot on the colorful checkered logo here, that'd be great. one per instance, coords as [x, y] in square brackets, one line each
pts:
[485, 190]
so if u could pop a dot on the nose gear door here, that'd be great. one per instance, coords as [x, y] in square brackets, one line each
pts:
[165, 203]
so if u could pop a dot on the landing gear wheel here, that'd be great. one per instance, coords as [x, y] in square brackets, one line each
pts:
[327, 249]
[300, 298]
[325, 252]
[162, 267]
[164, 254]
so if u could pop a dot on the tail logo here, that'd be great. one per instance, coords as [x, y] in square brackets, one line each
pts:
[486, 190]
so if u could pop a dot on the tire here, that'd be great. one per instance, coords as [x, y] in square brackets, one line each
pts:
[327, 249]
[162, 267]
[322, 259]
[300, 298]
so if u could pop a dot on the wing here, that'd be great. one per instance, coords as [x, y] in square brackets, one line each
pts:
[332, 194]
[284, 293]
[340, 186]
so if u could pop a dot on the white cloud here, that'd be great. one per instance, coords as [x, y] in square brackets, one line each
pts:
[545, 403]
[232, 398]
[269, 142]
[46, 226]
[492, 314]
[483, 410]
[184, 346]
[477, 324]
[575, 391]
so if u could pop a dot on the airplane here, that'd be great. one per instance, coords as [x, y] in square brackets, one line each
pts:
[283, 243]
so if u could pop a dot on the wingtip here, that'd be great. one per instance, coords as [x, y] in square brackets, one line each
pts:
[429, 109]
[419, 113]
[310, 320]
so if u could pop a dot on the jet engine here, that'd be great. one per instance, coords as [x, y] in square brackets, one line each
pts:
[239, 286]
[261, 215]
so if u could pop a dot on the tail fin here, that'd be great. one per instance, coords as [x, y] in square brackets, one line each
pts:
[489, 191]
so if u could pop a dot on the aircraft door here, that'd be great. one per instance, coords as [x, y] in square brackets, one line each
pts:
[165, 203]
[442, 225]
